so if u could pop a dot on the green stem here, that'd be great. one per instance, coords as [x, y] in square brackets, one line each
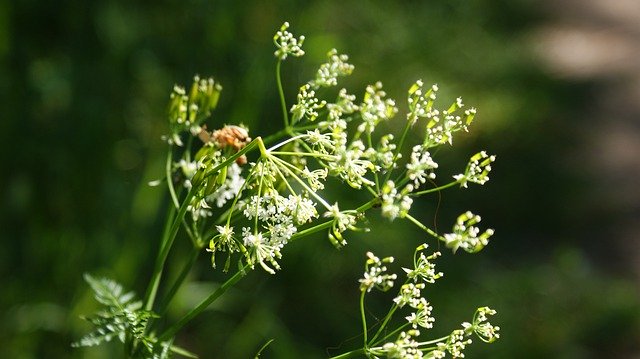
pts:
[351, 354]
[285, 113]
[384, 322]
[169, 237]
[167, 169]
[389, 335]
[431, 190]
[178, 283]
[167, 242]
[169, 333]
[364, 319]
[422, 226]
[407, 126]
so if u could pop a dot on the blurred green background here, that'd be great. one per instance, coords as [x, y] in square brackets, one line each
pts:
[83, 93]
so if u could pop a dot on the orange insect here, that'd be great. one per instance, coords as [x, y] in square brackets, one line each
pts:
[232, 136]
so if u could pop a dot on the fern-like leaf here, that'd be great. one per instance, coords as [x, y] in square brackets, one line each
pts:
[121, 317]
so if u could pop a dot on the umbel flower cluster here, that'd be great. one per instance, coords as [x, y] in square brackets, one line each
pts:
[404, 341]
[243, 198]
[269, 200]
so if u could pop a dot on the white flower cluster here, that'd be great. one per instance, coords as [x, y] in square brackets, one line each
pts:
[481, 327]
[466, 235]
[343, 106]
[384, 154]
[375, 275]
[342, 221]
[477, 170]
[188, 110]
[352, 164]
[230, 188]
[329, 72]
[440, 124]
[423, 266]
[375, 108]
[405, 347]
[278, 217]
[420, 102]
[421, 166]
[396, 203]
[287, 44]
[457, 343]
[307, 106]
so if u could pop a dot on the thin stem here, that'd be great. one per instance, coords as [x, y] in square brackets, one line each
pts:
[437, 189]
[167, 242]
[386, 319]
[351, 354]
[178, 283]
[285, 142]
[311, 230]
[304, 154]
[422, 226]
[363, 317]
[285, 113]
[301, 182]
[167, 169]
[407, 126]
[169, 333]
[389, 335]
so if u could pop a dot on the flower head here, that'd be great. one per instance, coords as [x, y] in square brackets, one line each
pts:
[375, 275]
[287, 44]
[466, 235]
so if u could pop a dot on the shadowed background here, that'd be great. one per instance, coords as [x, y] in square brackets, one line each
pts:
[83, 93]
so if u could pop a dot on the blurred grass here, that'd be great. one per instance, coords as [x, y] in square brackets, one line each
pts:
[83, 89]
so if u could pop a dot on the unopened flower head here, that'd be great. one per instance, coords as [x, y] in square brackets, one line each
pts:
[423, 267]
[477, 170]
[457, 343]
[441, 125]
[375, 108]
[307, 106]
[287, 44]
[481, 326]
[422, 317]
[344, 105]
[396, 203]
[466, 235]
[329, 72]
[375, 275]
[405, 347]
[420, 101]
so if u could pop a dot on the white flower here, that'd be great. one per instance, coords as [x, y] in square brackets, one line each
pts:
[466, 235]
[328, 73]
[375, 275]
[287, 44]
[230, 188]
[421, 166]
[344, 105]
[307, 106]
[477, 170]
[342, 220]
[261, 249]
[375, 108]
[396, 204]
